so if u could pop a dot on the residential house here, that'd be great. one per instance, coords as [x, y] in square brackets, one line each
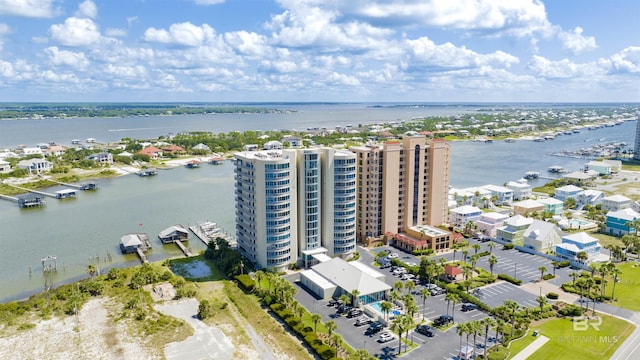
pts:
[542, 236]
[514, 228]
[201, 147]
[102, 158]
[503, 195]
[8, 154]
[32, 151]
[5, 167]
[615, 202]
[552, 205]
[489, 222]
[521, 189]
[35, 166]
[151, 151]
[460, 216]
[616, 165]
[636, 206]
[601, 167]
[589, 197]
[56, 150]
[272, 145]
[567, 191]
[173, 233]
[581, 177]
[293, 141]
[617, 221]
[527, 207]
[173, 149]
[573, 244]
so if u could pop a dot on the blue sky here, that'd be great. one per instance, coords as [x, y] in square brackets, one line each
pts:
[320, 50]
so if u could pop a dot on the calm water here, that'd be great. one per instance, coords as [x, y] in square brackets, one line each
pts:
[88, 228]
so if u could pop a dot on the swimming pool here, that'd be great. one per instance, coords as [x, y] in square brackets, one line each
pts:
[580, 224]
[377, 307]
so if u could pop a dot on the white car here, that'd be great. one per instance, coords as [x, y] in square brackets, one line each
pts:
[385, 337]
[393, 256]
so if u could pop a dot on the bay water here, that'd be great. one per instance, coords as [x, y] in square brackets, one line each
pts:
[87, 229]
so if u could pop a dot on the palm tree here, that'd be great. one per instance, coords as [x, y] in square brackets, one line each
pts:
[542, 269]
[299, 311]
[589, 282]
[493, 260]
[461, 329]
[259, 276]
[491, 245]
[474, 261]
[361, 354]
[542, 301]
[582, 256]
[475, 327]
[409, 324]
[386, 306]
[487, 323]
[410, 285]
[398, 326]
[316, 319]
[615, 272]
[475, 247]
[424, 293]
[91, 269]
[555, 265]
[398, 285]
[336, 340]
[513, 307]
[449, 298]
[331, 327]
[465, 253]
[354, 295]
[574, 275]
[346, 299]
[454, 300]
[412, 309]
[499, 330]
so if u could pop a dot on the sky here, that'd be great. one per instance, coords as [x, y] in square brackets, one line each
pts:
[320, 50]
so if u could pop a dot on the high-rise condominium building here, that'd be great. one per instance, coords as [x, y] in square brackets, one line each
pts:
[293, 204]
[401, 184]
[636, 148]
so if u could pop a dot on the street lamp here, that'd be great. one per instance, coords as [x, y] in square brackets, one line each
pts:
[364, 345]
[515, 270]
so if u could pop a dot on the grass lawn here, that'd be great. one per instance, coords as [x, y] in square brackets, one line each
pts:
[567, 343]
[605, 239]
[627, 290]
[517, 345]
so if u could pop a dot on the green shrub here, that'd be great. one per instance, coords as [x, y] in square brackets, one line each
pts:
[246, 282]
[548, 276]
[552, 296]
[426, 252]
[508, 246]
[564, 263]
[508, 278]
[571, 310]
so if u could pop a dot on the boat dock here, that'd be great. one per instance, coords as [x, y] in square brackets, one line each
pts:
[25, 201]
[61, 194]
[199, 234]
[142, 256]
[185, 250]
[84, 186]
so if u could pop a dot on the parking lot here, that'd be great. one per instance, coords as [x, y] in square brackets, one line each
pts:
[495, 295]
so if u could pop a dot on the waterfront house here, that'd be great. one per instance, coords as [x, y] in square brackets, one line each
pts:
[541, 236]
[460, 216]
[489, 222]
[527, 207]
[251, 147]
[201, 147]
[601, 167]
[101, 158]
[616, 165]
[129, 243]
[573, 244]
[151, 151]
[581, 177]
[5, 167]
[568, 191]
[172, 149]
[617, 221]
[125, 154]
[521, 189]
[589, 197]
[8, 154]
[615, 202]
[35, 166]
[32, 151]
[514, 228]
[56, 150]
[272, 145]
[552, 205]
[293, 141]
[470, 196]
[503, 195]
[173, 233]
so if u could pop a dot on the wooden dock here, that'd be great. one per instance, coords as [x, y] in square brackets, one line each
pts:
[186, 251]
[85, 186]
[199, 234]
[25, 201]
[142, 256]
[35, 191]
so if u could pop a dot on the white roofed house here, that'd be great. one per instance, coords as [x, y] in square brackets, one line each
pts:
[503, 194]
[573, 244]
[615, 202]
[201, 147]
[521, 189]
[617, 222]
[272, 145]
[101, 158]
[601, 167]
[461, 215]
[527, 207]
[32, 151]
[514, 228]
[5, 167]
[552, 205]
[589, 197]
[565, 192]
[489, 222]
[542, 236]
[173, 233]
[35, 166]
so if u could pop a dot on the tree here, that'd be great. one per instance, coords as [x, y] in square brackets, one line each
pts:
[542, 301]
[424, 293]
[91, 270]
[454, 300]
[386, 306]
[555, 265]
[398, 285]
[410, 285]
[493, 260]
[354, 295]
[316, 319]
[476, 248]
[361, 354]
[465, 253]
[487, 323]
[331, 326]
[582, 256]
[399, 324]
[491, 245]
[542, 269]
[513, 308]
[346, 299]
[204, 309]
[336, 340]
[574, 275]
[475, 327]
[461, 329]
[615, 272]
[299, 311]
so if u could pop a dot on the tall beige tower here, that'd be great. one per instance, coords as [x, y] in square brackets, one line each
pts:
[401, 184]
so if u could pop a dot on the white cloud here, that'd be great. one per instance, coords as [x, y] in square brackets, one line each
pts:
[75, 60]
[425, 52]
[185, 34]
[625, 62]
[248, 43]
[576, 42]
[563, 69]
[115, 32]
[75, 32]
[87, 9]
[28, 8]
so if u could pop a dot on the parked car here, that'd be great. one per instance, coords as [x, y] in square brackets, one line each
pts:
[443, 320]
[385, 337]
[343, 309]
[333, 302]
[399, 271]
[373, 328]
[354, 313]
[363, 320]
[385, 265]
[437, 291]
[425, 330]
[469, 307]
[393, 256]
